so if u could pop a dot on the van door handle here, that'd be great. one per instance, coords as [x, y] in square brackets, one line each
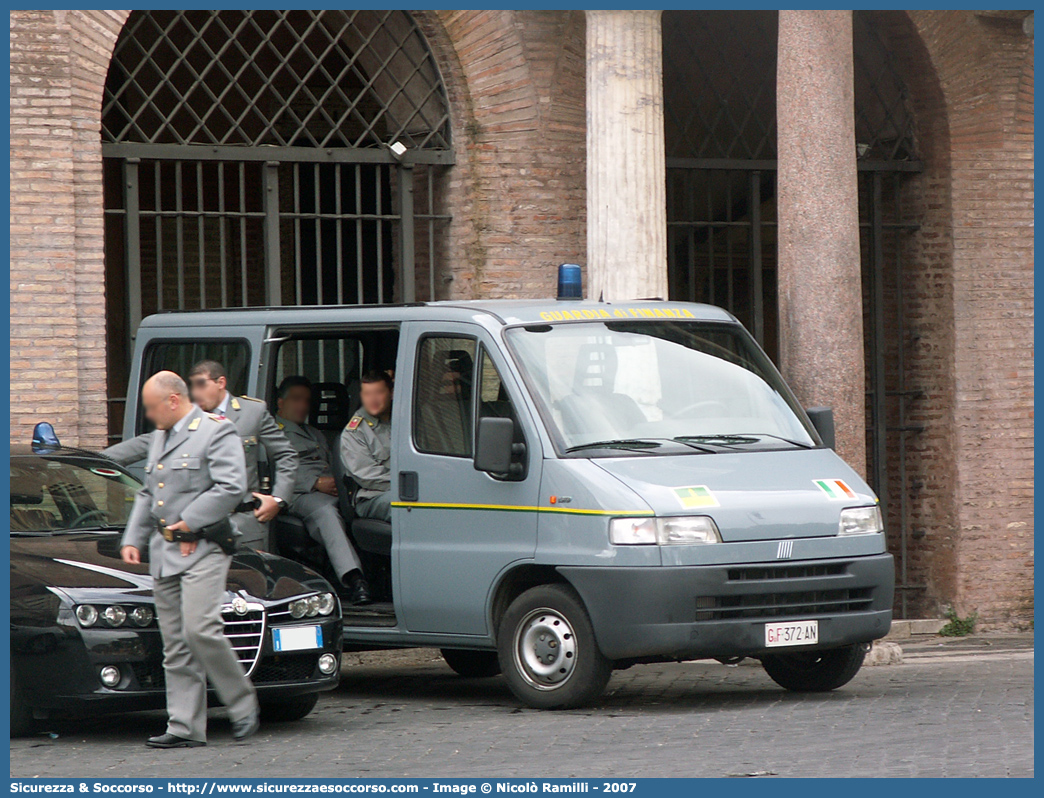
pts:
[409, 490]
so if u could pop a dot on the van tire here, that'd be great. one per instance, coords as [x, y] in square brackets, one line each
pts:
[815, 671]
[472, 664]
[548, 652]
[284, 710]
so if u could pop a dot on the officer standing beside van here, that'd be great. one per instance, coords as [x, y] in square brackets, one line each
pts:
[366, 447]
[195, 476]
[257, 429]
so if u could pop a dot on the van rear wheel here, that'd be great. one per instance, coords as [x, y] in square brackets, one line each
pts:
[472, 664]
[815, 671]
[548, 652]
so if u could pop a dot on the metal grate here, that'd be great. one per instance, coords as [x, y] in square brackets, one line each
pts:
[719, 70]
[284, 78]
[719, 74]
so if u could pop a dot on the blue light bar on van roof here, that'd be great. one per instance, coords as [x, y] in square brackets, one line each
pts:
[45, 439]
[569, 282]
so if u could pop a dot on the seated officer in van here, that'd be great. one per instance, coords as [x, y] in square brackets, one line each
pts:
[315, 489]
[366, 447]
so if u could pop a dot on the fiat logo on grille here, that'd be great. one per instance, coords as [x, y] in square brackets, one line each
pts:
[239, 605]
[784, 550]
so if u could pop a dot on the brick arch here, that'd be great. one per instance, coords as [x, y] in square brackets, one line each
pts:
[521, 148]
[58, 68]
[978, 242]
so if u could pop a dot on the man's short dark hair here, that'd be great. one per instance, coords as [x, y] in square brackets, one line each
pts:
[209, 368]
[378, 376]
[293, 381]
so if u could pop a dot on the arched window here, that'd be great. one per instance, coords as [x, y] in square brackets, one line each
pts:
[269, 158]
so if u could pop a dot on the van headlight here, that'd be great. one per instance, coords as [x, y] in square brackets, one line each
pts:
[860, 521]
[670, 531]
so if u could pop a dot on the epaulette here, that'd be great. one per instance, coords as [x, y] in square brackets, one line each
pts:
[252, 399]
[354, 423]
[194, 424]
[212, 417]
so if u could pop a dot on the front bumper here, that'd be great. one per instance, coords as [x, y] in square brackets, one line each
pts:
[693, 612]
[63, 675]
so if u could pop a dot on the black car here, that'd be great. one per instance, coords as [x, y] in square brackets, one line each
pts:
[84, 637]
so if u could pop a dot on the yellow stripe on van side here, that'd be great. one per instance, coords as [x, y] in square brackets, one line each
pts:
[513, 508]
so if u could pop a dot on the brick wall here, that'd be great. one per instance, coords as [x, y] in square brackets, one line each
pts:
[58, 60]
[984, 69]
[517, 193]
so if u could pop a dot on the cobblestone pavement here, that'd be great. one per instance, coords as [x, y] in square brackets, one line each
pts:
[953, 708]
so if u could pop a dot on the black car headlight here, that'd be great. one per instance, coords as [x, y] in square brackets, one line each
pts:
[322, 604]
[114, 615]
[142, 615]
[87, 615]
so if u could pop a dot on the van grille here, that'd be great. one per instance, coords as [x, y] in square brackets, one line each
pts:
[784, 604]
[755, 573]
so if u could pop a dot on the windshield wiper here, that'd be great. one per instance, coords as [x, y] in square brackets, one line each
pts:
[619, 443]
[739, 439]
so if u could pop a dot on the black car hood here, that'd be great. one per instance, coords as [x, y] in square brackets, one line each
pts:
[84, 565]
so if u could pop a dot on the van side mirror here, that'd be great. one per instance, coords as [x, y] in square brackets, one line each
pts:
[493, 445]
[822, 419]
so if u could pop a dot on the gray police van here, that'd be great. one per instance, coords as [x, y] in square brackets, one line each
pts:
[577, 487]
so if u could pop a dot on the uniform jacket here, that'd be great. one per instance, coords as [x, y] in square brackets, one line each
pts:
[196, 475]
[366, 453]
[256, 427]
[313, 454]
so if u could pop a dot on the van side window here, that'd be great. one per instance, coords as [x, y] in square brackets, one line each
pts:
[181, 356]
[443, 420]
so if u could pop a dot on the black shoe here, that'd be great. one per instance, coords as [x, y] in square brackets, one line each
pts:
[359, 588]
[173, 741]
[241, 729]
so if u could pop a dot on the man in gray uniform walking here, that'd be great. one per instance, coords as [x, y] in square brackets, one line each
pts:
[366, 447]
[315, 491]
[195, 476]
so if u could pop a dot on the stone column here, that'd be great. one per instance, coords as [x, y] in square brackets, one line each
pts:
[626, 175]
[820, 294]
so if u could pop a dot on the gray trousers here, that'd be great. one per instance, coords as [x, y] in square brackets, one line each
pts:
[255, 534]
[324, 523]
[378, 506]
[195, 649]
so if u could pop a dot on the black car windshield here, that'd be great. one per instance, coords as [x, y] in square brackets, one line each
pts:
[51, 494]
[702, 383]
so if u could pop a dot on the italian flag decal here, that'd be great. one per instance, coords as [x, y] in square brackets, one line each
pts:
[835, 489]
[696, 496]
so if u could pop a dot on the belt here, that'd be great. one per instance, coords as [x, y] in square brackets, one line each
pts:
[219, 531]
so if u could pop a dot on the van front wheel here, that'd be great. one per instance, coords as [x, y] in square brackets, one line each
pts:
[548, 652]
[815, 671]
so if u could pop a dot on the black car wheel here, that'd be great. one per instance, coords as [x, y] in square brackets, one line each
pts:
[548, 651]
[815, 671]
[21, 713]
[279, 710]
[472, 664]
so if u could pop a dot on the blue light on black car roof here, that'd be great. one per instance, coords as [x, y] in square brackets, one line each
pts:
[45, 438]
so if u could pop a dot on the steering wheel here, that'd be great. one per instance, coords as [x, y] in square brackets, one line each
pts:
[705, 403]
[84, 516]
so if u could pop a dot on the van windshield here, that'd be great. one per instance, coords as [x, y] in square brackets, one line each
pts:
[634, 385]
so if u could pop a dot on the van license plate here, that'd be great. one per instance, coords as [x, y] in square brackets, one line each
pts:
[297, 638]
[791, 633]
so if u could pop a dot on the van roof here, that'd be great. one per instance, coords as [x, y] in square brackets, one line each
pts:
[504, 311]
